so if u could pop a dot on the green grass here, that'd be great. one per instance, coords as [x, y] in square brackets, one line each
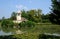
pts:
[43, 28]
[27, 36]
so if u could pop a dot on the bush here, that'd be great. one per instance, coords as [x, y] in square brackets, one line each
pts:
[7, 23]
[27, 24]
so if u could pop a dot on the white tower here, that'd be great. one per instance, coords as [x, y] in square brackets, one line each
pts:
[18, 17]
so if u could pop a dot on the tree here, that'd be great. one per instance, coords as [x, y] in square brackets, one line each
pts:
[35, 15]
[45, 18]
[3, 18]
[13, 16]
[7, 23]
[55, 12]
[24, 14]
[27, 24]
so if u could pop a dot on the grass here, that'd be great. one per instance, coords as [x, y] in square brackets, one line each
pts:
[43, 28]
[27, 36]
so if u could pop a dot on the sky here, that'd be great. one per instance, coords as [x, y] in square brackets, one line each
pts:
[9, 6]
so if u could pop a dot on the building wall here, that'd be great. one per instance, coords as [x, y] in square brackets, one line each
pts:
[15, 21]
[18, 17]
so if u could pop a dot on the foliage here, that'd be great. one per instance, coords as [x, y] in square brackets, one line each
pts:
[43, 28]
[45, 18]
[8, 37]
[32, 15]
[55, 13]
[0, 20]
[44, 36]
[7, 23]
[24, 14]
[27, 24]
[13, 16]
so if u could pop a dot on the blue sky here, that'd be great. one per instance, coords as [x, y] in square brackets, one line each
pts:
[8, 6]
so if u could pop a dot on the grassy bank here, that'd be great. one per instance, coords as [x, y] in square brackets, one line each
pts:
[43, 28]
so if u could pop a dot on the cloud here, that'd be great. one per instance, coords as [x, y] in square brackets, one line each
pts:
[20, 7]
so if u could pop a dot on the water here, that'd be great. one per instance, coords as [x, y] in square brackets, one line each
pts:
[9, 31]
[54, 34]
[2, 33]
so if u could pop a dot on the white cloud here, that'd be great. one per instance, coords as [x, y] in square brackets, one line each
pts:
[20, 7]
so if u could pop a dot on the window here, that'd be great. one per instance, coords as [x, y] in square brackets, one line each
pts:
[18, 14]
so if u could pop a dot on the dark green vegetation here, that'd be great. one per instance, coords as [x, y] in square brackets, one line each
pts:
[55, 12]
[45, 36]
[7, 23]
[13, 16]
[32, 15]
[35, 16]
[27, 24]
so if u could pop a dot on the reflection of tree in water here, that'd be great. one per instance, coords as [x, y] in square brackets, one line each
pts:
[7, 26]
[8, 29]
[9, 37]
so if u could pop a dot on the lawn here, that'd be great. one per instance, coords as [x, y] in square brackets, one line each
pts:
[43, 28]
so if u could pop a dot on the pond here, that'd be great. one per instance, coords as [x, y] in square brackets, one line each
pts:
[4, 33]
[9, 31]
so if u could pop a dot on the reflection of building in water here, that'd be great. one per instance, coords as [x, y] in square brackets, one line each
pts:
[19, 18]
[18, 32]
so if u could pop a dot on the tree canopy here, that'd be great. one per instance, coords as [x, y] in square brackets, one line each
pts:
[55, 12]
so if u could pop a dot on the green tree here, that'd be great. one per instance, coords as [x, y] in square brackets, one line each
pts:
[45, 18]
[3, 18]
[32, 15]
[24, 14]
[7, 23]
[13, 16]
[27, 24]
[35, 15]
[55, 12]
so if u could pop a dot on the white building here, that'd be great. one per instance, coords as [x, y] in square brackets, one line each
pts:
[19, 18]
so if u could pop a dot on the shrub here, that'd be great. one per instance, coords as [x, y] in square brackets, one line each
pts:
[27, 24]
[7, 23]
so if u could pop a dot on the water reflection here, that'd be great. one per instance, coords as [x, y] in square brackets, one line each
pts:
[8, 30]
[3, 33]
